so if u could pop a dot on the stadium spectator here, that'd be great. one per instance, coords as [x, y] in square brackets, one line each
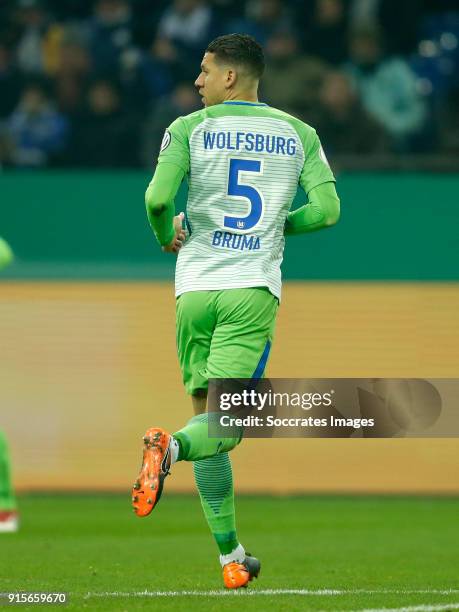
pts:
[11, 82]
[291, 80]
[344, 126]
[134, 90]
[387, 87]
[399, 21]
[74, 9]
[188, 24]
[182, 101]
[72, 75]
[160, 67]
[229, 9]
[110, 34]
[104, 136]
[262, 19]
[325, 28]
[37, 131]
[37, 49]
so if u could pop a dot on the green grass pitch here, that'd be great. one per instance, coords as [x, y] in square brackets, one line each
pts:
[332, 553]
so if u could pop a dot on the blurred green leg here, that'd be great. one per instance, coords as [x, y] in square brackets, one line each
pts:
[7, 499]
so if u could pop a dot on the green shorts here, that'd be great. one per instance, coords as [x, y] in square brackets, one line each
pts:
[224, 334]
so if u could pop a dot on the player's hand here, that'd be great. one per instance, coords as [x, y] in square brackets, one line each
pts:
[176, 244]
[6, 254]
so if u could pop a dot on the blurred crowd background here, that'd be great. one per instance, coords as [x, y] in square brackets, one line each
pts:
[94, 83]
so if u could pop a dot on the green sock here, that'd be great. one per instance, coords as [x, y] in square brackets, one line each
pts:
[195, 443]
[214, 480]
[7, 500]
[213, 474]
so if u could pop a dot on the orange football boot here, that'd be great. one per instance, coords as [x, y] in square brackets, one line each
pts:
[237, 575]
[148, 487]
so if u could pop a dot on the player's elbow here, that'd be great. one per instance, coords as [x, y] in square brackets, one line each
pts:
[154, 206]
[333, 212]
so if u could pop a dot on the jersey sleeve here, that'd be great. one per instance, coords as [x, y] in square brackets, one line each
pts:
[175, 148]
[322, 210]
[159, 200]
[316, 169]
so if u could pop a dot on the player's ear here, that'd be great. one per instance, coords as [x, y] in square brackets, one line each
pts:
[231, 77]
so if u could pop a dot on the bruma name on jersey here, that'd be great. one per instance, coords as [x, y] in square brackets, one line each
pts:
[243, 162]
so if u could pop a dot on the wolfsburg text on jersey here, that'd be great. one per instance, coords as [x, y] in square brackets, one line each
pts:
[248, 141]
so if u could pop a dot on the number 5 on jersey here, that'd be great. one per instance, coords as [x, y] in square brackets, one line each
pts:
[237, 189]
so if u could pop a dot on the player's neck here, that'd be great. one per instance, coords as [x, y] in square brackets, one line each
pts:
[243, 96]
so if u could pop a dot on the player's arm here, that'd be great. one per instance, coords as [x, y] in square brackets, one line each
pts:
[173, 164]
[317, 180]
[160, 201]
[322, 210]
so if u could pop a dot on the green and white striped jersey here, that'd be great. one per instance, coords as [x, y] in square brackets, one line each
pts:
[243, 162]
